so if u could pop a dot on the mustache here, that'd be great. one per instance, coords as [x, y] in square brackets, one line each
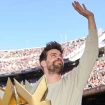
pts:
[58, 60]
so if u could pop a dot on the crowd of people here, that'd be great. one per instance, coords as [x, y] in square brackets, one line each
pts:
[18, 60]
[97, 76]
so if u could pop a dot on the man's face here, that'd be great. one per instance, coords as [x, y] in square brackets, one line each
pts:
[54, 61]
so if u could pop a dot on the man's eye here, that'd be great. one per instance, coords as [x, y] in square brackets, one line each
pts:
[53, 55]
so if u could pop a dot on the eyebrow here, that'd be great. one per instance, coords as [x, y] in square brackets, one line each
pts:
[56, 54]
[53, 53]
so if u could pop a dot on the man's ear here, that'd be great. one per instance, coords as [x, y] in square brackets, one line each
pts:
[43, 63]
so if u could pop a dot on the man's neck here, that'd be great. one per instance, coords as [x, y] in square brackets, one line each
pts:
[52, 78]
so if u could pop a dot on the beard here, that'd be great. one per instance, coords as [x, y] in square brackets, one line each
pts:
[55, 68]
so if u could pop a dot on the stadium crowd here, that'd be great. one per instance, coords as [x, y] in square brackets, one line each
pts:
[97, 76]
[18, 60]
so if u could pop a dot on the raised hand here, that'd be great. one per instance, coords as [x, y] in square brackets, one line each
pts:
[82, 10]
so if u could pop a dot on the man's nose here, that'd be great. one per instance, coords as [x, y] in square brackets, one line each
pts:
[59, 57]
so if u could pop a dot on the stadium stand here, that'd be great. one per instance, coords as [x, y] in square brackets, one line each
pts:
[23, 65]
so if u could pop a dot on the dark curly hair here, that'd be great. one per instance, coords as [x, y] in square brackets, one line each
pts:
[49, 46]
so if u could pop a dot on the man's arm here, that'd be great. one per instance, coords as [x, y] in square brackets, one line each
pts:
[91, 23]
[90, 54]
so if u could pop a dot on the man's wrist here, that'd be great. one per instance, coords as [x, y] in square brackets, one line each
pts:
[90, 17]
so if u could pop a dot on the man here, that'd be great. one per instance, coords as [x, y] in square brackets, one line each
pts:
[68, 90]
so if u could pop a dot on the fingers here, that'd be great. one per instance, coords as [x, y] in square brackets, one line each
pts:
[73, 5]
[77, 7]
[84, 7]
[81, 9]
